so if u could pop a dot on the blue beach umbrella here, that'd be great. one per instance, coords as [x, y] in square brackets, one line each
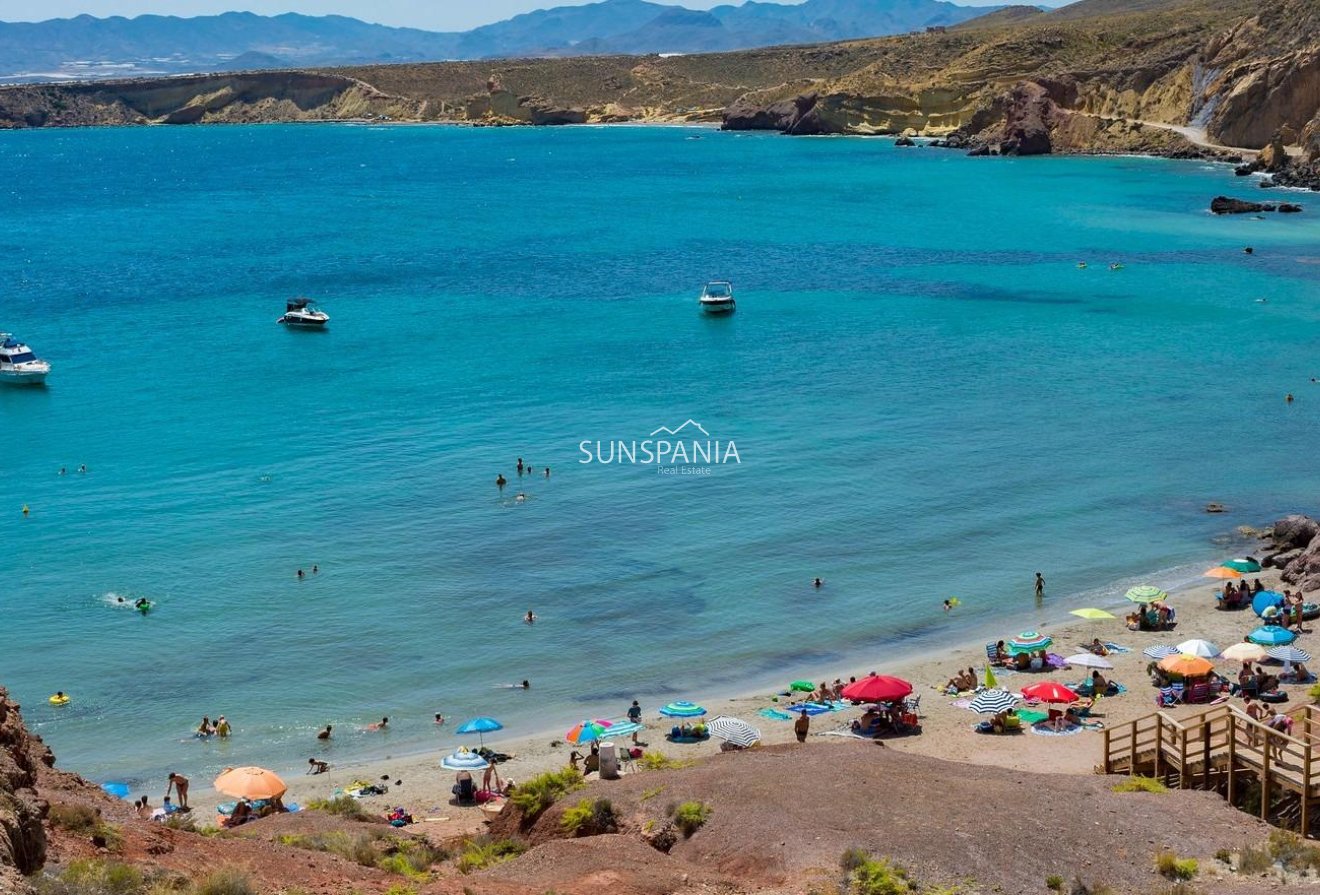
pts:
[463, 760]
[682, 710]
[1264, 600]
[481, 727]
[1272, 635]
[118, 790]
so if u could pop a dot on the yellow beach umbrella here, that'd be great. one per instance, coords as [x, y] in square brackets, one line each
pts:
[990, 682]
[250, 783]
[1092, 614]
[1222, 572]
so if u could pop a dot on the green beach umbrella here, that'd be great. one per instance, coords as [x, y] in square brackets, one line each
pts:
[1146, 593]
[1242, 565]
[802, 686]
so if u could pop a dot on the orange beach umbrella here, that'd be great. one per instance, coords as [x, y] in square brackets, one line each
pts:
[1187, 666]
[250, 783]
[1222, 572]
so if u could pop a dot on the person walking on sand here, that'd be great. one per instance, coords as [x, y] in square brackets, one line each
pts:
[179, 784]
[1040, 585]
[325, 734]
[801, 726]
[635, 716]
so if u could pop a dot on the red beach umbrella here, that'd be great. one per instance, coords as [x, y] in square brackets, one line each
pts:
[1049, 691]
[877, 688]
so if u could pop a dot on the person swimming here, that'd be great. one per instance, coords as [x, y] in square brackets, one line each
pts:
[530, 617]
[382, 724]
[526, 685]
[301, 576]
[521, 498]
[501, 481]
[817, 583]
[439, 718]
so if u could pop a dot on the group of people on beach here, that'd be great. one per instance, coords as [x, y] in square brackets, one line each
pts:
[1154, 616]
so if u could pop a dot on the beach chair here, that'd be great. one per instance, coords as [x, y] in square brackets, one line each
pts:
[1199, 692]
[913, 704]
[1166, 697]
[466, 791]
[1179, 691]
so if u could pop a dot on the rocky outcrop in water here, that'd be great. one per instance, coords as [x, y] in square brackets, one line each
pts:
[1228, 205]
[22, 836]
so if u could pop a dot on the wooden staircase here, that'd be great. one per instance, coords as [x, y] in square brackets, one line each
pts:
[1223, 749]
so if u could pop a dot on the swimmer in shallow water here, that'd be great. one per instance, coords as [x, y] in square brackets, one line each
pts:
[530, 617]
[382, 724]
[439, 718]
[521, 498]
[316, 766]
[817, 582]
[501, 481]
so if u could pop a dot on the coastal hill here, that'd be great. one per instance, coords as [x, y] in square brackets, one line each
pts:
[777, 820]
[151, 45]
[1095, 76]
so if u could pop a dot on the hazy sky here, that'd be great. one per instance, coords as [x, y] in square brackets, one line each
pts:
[440, 15]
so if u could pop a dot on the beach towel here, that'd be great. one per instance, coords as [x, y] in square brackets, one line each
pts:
[1047, 730]
[775, 714]
[812, 708]
[1054, 660]
[962, 704]
[1030, 717]
[1115, 648]
[845, 733]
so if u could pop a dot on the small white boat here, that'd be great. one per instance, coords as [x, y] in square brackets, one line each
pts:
[18, 364]
[717, 297]
[300, 312]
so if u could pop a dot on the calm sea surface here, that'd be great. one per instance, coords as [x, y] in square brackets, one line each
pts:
[928, 397]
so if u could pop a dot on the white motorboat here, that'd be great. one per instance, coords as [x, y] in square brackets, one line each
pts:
[717, 297]
[18, 364]
[300, 312]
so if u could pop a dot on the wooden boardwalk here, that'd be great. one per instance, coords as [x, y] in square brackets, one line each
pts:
[1222, 749]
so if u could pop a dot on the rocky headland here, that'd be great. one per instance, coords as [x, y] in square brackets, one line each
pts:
[1184, 78]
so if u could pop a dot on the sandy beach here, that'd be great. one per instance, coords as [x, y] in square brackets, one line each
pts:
[418, 784]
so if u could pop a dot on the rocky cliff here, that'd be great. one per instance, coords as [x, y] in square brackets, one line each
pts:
[22, 812]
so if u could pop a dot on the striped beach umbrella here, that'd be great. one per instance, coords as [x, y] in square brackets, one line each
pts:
[587, 732]
[682, 710]
[621, 729]
[992, 702]
[1272, 635]
[1146, 593]
[1289, 654]
[1160, 651]
[1029, 642]
[733, 730]
[1203, 648]
[463, 760]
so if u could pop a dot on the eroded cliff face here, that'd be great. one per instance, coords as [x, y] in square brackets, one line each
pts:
[22, 811]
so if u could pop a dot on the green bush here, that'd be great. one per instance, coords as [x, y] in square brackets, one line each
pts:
[400, 889]
[539, 793]
[654, 761]
[853, 858]
[649, 794]
[691, 816]
[1290, 850]
[343, 806]
[879, 877]
[1054, 882]
[86, 821]
[478, 854]
[590, 817]
[412, 858]
[1170, 866]
[1254, 860]
[226, 882]
[359, 847]
[94, 877]
[1140, 784]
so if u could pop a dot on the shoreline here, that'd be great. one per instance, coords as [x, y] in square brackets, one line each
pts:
[925, 662]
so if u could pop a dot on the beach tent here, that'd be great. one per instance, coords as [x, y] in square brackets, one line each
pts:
[463, 760]
[877, 688]
[1146, 593]
[250, 783]
[1267, 599]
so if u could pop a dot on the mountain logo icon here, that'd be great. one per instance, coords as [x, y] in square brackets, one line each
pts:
[665, 430]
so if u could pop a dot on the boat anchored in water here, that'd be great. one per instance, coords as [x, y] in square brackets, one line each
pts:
[18, 364]
[301, 313]
[717, 297]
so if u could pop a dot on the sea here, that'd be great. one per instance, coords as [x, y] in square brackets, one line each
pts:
[943, 375]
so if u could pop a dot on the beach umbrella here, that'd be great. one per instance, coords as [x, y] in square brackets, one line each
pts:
[1159, 652]
[1146, 593]
[990, 682]
[877, 688]
[1266, 599]
[587, 731]
[621, 729]
[682, 710]
[481, 727]
[250, 783]
[463, 760]
[992, 702]
[1187, 666]
[1029, 642]
[1089, 660]
[1242, 565]
[1203, 648]
[1222, 572]
[1049, 691]
[1289, 654]
[733, 730]
[1244, 652]
[1272, 635]
[801, 686]
[1092, 614]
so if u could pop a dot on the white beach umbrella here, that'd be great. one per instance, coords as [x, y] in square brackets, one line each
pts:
[1089, 660]
[1289, 654]
[1244, 652]
[1160, 652]
[1203, 648]
[733, 730]
[992, 702]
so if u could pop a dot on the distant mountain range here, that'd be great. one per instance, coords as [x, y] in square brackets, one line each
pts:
[89, 48]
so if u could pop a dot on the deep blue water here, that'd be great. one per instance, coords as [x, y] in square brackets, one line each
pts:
[927, 395]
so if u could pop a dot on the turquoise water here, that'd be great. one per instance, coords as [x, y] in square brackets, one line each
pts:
[928, 398]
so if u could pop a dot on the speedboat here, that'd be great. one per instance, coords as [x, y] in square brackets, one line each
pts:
[717, 297]
[18, 364]
[300, 312]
